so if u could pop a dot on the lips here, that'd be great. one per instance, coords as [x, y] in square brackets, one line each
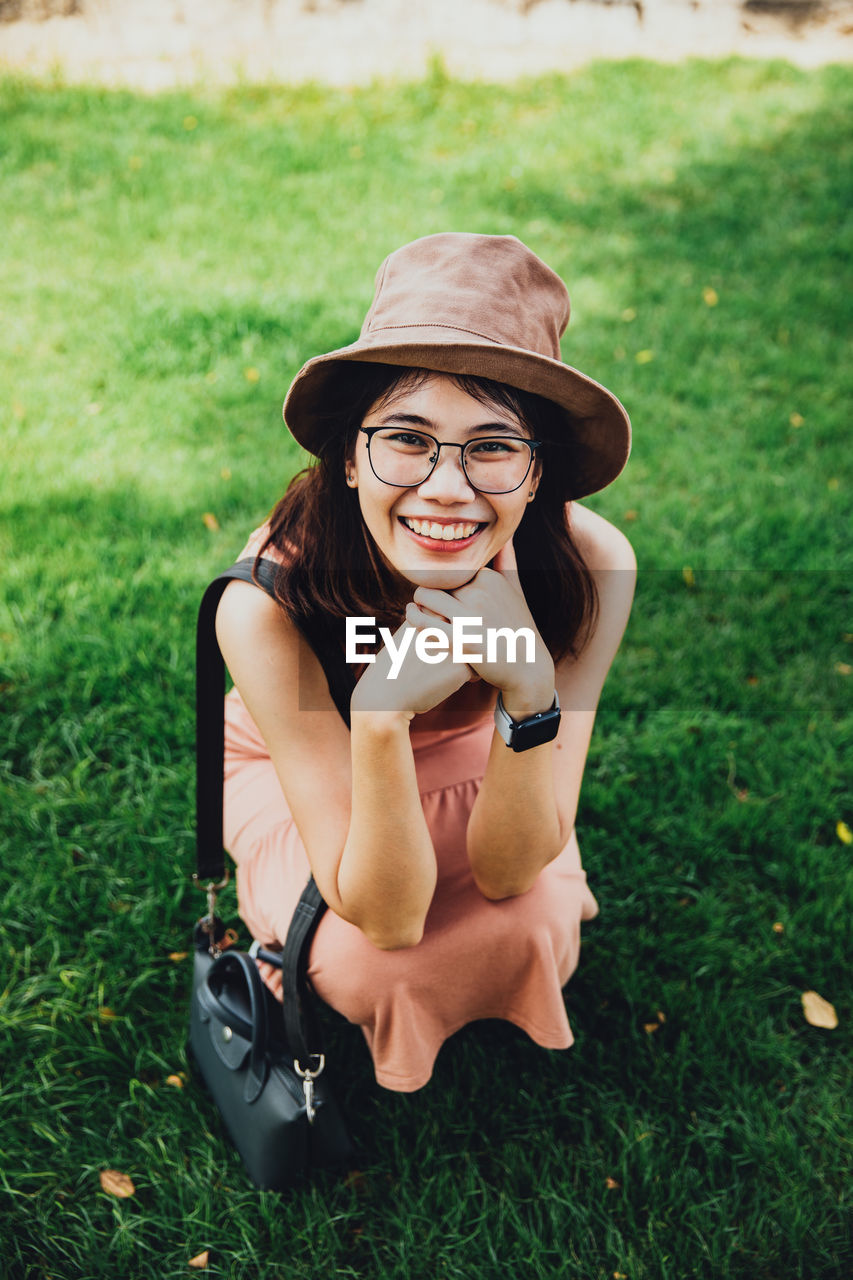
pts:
[442, 535]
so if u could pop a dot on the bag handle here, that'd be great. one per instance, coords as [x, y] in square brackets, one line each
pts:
[241, 962]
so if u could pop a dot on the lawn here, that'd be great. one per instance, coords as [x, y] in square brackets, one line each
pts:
[166, 264]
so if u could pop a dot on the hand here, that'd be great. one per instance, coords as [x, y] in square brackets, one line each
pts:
[495, 596]
[415, 686]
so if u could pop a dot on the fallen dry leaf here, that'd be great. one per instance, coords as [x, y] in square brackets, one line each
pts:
[819, 1012]
[175, 1081]
[796, 419]
[778, 927]
[630, 514]
[843, 669]
[117, 1184]
[845, 835]
[710, 296]
[651, 1027]
[688, 576]
[611, 1184]
[177, 956]
[106, 1014]
[210, 522]
[200, 1260]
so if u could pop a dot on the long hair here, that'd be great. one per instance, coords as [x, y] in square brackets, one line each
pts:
[331, 567]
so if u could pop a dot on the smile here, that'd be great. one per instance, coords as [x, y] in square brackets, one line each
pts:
[461, 531]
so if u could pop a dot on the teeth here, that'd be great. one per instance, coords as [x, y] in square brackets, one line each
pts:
[441, 532]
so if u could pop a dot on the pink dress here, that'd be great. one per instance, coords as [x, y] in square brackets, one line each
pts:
[477, 958]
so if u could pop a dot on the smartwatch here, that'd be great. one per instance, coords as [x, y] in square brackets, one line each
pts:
[532, 731]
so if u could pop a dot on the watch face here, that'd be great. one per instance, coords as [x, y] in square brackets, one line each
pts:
[535, 731]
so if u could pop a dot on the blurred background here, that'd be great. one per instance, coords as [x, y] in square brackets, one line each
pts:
[162, 42]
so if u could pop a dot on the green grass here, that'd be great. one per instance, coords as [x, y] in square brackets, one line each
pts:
[155, 249]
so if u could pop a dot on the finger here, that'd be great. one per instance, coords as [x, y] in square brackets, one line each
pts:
[272, 977]
[441, 603]
[421, 617]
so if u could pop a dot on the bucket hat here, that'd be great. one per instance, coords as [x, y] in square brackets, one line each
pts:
[485, 306]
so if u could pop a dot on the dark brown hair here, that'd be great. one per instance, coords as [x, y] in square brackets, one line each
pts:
[332, 568]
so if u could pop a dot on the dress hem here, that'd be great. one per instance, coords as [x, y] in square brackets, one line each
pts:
[411, 1084]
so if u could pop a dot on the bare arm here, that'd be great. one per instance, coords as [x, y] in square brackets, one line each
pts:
[525, 810]
[353, 796]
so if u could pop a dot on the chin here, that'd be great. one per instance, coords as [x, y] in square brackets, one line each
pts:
[441, 579]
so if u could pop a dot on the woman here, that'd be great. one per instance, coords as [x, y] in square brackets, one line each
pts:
[451, 441]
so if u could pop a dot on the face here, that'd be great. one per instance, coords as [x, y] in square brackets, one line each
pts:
[441, 532]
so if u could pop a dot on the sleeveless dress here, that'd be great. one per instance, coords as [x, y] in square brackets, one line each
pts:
[477, 958]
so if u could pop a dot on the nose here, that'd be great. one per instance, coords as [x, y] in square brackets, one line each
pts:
[447, 481]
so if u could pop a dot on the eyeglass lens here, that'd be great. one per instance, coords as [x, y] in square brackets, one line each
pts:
[405, 458]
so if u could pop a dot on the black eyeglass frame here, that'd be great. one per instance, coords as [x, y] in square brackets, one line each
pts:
[370, 432]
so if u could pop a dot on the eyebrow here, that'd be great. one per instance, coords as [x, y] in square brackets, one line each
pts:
[415, 420]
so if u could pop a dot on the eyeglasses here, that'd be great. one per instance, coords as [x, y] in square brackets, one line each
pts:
[405, 459]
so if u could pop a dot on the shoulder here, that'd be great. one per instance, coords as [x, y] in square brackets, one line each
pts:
[246, 612]
[602, 545]
[259, 540]
[258, 641]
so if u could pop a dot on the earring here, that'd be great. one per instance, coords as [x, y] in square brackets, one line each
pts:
[351, 481]
[530, 494]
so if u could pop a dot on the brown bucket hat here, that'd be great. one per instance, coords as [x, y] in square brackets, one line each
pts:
[484, 306]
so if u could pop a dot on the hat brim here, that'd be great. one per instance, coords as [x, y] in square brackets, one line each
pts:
[598, 430]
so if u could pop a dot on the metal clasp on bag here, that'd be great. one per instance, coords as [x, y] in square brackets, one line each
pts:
[308, 1075]
[208, 922]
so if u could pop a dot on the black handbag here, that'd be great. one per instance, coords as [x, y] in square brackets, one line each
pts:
[262, 1062]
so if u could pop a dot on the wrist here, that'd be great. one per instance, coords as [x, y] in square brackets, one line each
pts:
[528, 701]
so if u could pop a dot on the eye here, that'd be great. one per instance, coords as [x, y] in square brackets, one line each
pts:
[405, 439]
[499, 447]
